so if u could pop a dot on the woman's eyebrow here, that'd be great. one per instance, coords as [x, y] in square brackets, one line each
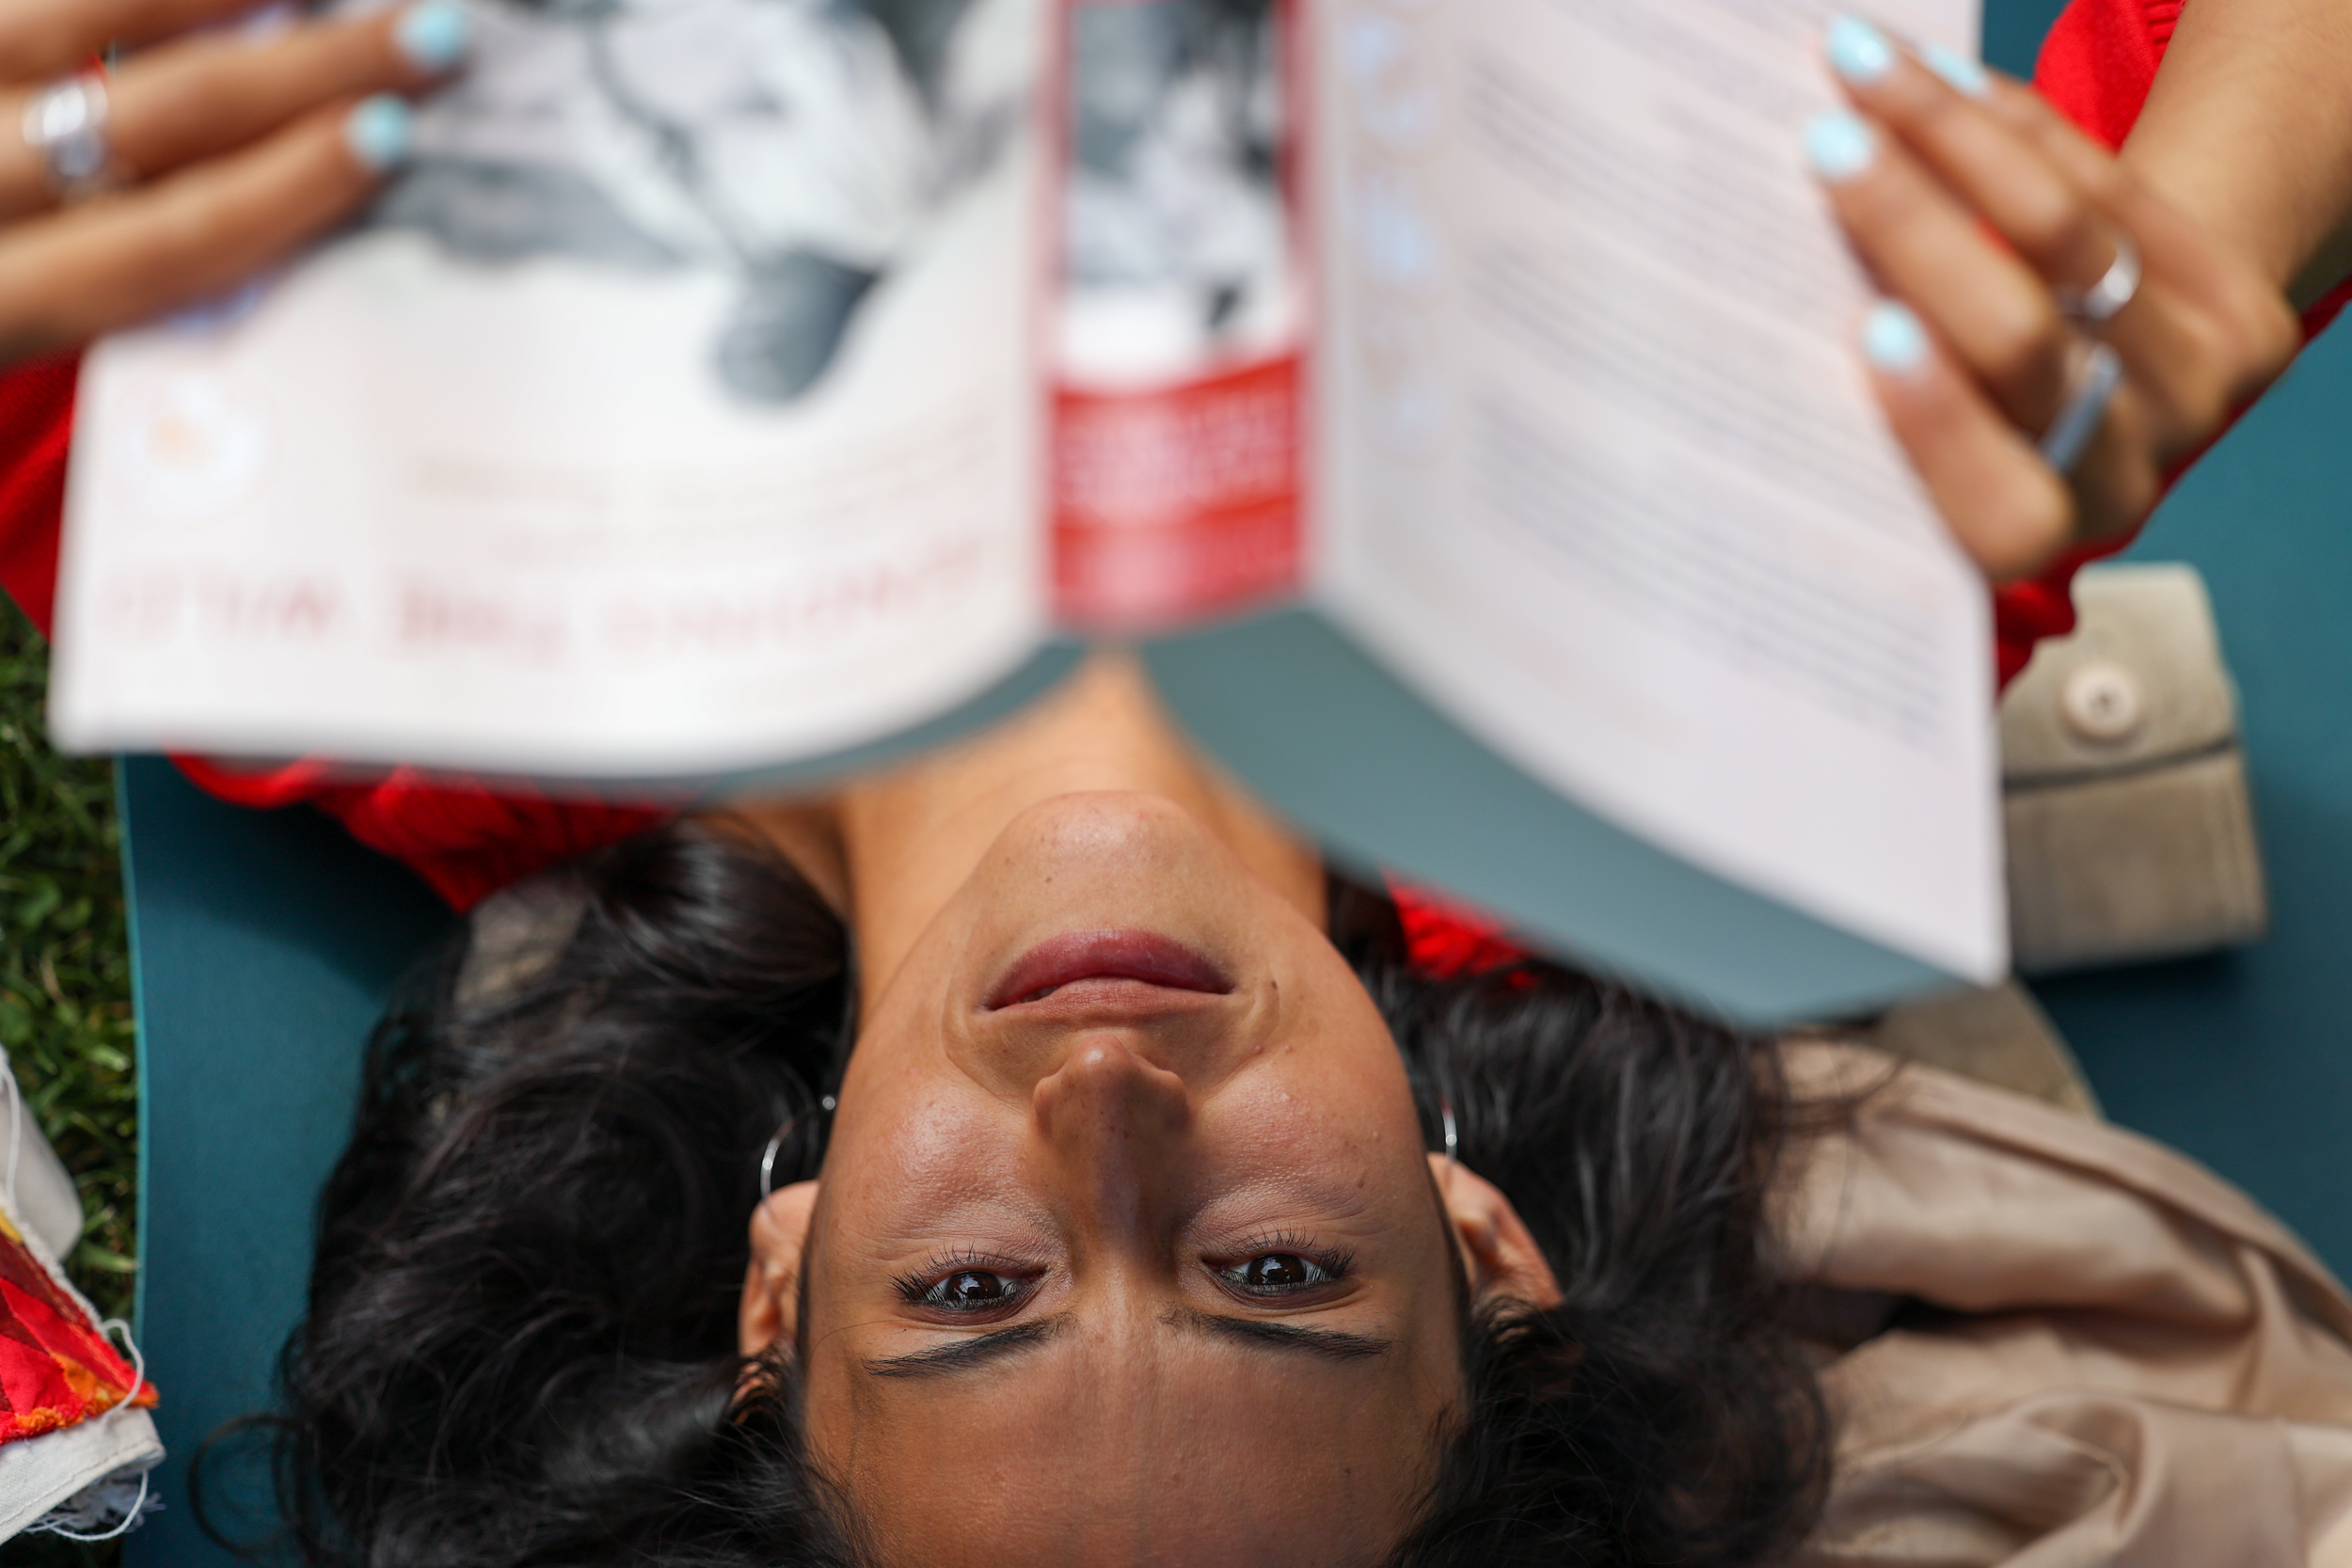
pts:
[978, 1351]
[1332, 1343]
[961, 1355]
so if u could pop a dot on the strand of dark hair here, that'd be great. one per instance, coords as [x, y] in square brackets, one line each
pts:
[1663, 1413]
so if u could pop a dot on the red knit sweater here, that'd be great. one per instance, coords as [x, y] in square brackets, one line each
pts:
[468, 840]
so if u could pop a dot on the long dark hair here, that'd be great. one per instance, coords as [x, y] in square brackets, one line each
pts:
[520, 1344]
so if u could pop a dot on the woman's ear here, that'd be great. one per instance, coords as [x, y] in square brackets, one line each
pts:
[1501, 1258]
[770, 1310]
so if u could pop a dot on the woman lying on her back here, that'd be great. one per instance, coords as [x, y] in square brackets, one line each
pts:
[1132, 1238]
[1170, 1207]
[1135, 1197]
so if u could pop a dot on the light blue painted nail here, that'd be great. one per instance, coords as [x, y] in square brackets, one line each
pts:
[1838, 145]
[381, 132]
[1892, 337]
[435, 34]
[1963, 73]
[1859, 52]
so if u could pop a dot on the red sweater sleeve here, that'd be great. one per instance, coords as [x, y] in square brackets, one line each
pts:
[468, 841]
[35, 423]
[2100, 59]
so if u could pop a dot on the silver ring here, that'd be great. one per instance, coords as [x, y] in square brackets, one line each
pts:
[67, 125]
[775, 1144]
[2102, 302]
[2064, 444]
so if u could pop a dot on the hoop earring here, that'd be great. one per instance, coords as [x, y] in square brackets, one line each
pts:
[791, 1125]
[1453, 1143]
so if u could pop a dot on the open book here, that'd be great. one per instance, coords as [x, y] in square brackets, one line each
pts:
[1455, 398]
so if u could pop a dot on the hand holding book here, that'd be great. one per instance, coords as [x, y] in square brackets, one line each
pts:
[1985, 213]
[218, 153]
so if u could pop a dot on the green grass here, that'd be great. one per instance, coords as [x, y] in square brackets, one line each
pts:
[64, 991]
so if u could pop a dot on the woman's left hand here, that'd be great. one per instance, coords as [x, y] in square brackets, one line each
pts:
[213, 151]
[1981, 211]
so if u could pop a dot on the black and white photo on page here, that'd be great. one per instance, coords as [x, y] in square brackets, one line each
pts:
[800, 146]
[1177, 242]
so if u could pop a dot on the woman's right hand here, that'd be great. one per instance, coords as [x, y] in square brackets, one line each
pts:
[1977, 207]
[232, 145]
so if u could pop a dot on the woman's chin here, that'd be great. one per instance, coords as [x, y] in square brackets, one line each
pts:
[1107, 863]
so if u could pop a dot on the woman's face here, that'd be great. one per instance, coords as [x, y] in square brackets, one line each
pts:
[1126, 1246]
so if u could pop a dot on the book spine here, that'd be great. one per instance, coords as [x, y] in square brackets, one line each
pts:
[1180, 311]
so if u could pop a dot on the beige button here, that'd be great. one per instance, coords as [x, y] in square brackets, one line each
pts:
[2102, 702]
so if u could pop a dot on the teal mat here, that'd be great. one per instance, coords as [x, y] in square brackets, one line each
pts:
[264, 945]
[2013, 30]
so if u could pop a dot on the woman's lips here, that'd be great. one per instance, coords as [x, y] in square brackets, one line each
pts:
[1134, 957]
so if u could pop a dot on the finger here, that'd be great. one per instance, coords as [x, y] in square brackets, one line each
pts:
[2180, 251]
[2226, 331]
[40, 38]
[2119, 480]
[2173, 249]
[2206, 332]
[202, 97]
[2089, 166]
[1993, 311]
[2007, 508]
[1945, 117]
[196, 235]
[2200, 336]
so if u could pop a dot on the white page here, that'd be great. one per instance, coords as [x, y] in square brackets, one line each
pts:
[557, 464]
[1603, 475]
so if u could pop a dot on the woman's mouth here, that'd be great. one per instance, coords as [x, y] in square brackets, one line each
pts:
[1105, 962]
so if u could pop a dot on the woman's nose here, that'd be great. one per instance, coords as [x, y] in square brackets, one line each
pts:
[1113, 1116]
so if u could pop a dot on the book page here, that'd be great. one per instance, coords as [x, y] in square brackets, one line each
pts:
[677, 409]
[1605, 478]
[1178, 335]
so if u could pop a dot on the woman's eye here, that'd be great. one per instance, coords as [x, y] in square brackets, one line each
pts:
[965, 1283]
[1276, 1274]
[971, 1291]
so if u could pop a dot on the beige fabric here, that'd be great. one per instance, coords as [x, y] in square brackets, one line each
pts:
[2155, 622]
[1997, 1035]
[2139, 867]
[2143, 1367]
[2130, 828]
[515, 935]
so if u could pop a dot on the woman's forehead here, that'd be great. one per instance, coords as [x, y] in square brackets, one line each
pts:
[1164, 1442]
